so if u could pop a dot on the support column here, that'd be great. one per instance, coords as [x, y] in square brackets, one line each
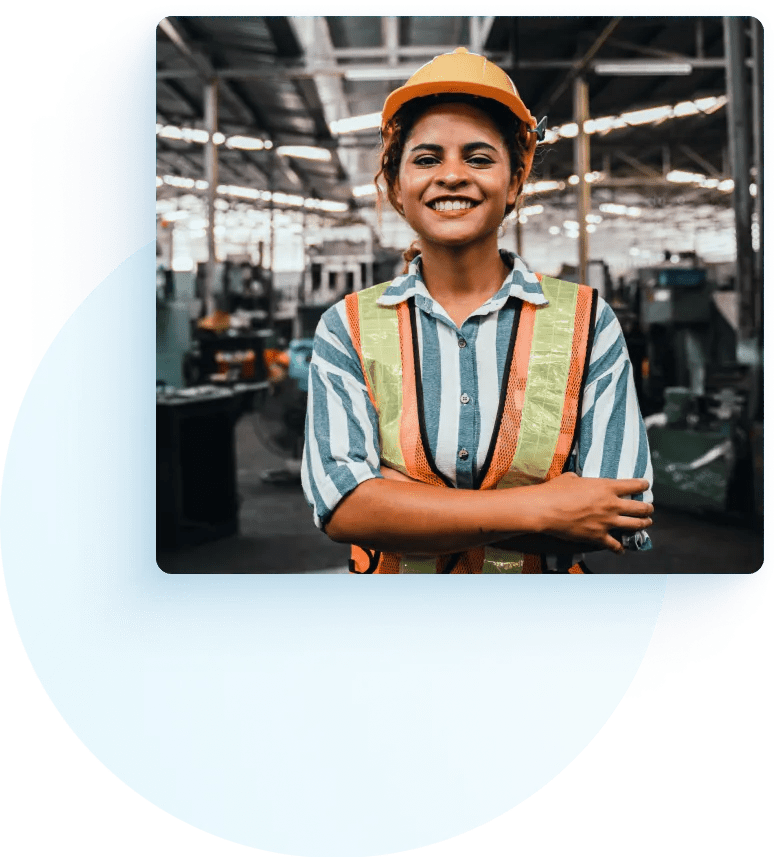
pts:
[757, 90]
[391, 28]
[582, 161]
[211, 101]
[271, 298]
[739, 157]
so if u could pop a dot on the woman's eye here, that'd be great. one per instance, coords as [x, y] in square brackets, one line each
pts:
[480, 161]
[425, 161]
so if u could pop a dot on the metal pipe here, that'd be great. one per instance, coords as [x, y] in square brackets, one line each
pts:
[272, 243]
[582, 161]
[739, 154]
[211, 101]
[757, 90]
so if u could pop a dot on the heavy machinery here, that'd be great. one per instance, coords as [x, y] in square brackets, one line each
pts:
[697, 398]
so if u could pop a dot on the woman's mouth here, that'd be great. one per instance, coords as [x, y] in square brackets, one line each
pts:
[452, 204]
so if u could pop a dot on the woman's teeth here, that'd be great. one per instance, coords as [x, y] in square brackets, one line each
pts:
[452, 205]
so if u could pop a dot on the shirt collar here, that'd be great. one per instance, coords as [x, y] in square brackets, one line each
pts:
[520, 283]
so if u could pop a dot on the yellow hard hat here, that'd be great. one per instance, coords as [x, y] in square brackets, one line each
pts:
[459, 72]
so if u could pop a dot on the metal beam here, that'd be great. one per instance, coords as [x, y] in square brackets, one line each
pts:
[582, 161]
[334, 70]
[740, 155]
[580, 65]
[757, 106]
[211, 99]
[700, 161]
[638, 165]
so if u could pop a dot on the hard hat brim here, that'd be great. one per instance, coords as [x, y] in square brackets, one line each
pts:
[407, 93]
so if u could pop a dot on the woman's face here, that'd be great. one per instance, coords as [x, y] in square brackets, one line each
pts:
[455, 179]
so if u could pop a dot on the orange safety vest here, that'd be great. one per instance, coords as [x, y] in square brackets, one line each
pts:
[537, 419]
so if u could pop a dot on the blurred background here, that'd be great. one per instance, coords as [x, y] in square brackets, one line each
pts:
[649, 186]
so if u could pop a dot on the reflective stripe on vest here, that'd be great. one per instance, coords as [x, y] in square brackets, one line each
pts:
[535, 426]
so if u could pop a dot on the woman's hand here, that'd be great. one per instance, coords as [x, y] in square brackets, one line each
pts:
[584, 509]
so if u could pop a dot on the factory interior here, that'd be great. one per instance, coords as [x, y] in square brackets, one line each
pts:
[648, 186]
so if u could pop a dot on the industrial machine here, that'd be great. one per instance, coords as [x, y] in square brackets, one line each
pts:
[696, 397]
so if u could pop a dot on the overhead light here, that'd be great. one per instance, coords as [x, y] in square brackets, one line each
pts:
[643, 117]
[573, 179]
[356, 123]
[188, 135]
[683, 177]
[604, 124]
[381, 72]
[248, 143]
[310, 153]
[616, 208]
[543, 186]
[629, 67]
[364, 190]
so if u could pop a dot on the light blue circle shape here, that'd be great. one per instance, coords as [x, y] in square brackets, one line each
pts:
[314, 715]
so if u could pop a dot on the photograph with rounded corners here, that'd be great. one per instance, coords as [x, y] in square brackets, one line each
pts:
[459, 295]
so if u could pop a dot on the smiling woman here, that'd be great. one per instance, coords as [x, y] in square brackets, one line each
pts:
[469, 372]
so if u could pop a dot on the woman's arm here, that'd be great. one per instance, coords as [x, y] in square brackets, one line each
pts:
[403, 516]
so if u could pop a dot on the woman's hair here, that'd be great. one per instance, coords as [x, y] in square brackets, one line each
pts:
[514, 132]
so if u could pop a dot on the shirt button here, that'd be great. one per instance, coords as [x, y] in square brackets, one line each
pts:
[463, 454]
[464, 398]
[461, 343]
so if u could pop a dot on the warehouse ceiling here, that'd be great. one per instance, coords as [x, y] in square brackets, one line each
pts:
[286, 80]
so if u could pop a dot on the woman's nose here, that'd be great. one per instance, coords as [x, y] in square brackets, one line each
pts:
[452, 174]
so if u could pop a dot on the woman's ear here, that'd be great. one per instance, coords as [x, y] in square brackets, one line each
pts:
[514, 186]
[392, 192]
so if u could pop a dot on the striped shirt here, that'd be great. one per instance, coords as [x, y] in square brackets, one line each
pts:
[461, 376]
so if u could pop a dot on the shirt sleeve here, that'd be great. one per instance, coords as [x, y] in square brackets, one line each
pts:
[341, 427]
[612, 441]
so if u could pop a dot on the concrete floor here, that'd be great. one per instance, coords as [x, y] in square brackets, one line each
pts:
[277, 534]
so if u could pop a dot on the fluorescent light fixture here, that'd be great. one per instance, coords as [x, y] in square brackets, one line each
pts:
[572, 225]
[601, 125]
[364, 190]
[605, 124]
[573, 180]
[643, 117]
[543, 187]
[247, 143]
[218, 138]
[356, 123]
[188, 135]
[531, 210]
[616, 208]
[310, 153]
[289, 199]
[235, 190]
[683, 177]
[593, 218]
[178, 181]
[629, 67]
[554, 230]
[726, 185]
[381, 72]
[159, 181]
